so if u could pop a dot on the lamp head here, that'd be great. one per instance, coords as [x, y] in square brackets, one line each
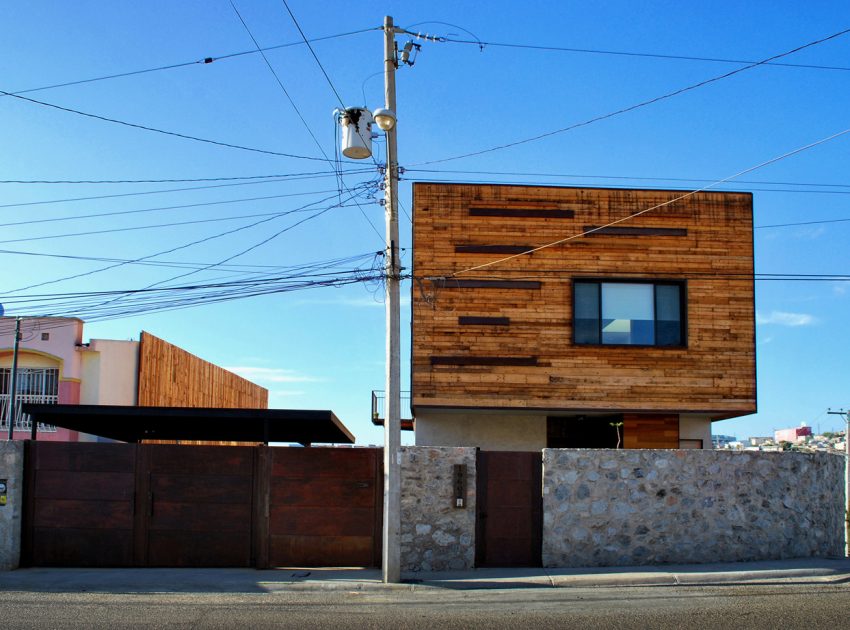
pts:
[385, 118]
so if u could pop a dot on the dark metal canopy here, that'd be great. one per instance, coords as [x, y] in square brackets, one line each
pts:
[133, 424]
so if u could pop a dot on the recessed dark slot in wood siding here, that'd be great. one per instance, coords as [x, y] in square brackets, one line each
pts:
[484, 321]
[448, 283]
[466, 360]
[530, 213]
[615, 230]
[492, 249]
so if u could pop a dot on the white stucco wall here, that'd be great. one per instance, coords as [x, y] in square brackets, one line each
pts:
[110, 372]
[694, 427]
[492, 432]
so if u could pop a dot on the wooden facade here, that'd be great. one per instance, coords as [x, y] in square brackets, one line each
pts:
[501, 337]
[171, 377]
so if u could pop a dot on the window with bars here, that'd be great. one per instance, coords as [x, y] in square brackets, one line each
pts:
[31, 382]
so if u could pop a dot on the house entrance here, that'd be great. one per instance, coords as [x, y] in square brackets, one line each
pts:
[509, 517]
[584, 431]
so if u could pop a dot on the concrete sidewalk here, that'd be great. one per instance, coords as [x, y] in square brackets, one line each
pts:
[800, 571]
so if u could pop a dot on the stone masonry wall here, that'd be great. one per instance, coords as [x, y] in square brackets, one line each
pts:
[436, 535]
[12, 470]
[639, 507]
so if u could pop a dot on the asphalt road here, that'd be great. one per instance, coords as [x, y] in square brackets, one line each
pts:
[763, 606]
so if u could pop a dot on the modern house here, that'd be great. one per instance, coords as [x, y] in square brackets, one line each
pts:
[580, 317]
[56, 367]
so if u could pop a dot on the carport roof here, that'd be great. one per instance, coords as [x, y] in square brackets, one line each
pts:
[133, 424]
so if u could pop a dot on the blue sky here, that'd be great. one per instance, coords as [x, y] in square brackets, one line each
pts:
[324, 347]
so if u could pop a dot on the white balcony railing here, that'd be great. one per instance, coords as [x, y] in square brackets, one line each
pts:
[22, 421]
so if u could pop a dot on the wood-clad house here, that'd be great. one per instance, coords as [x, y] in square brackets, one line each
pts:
[631, 321]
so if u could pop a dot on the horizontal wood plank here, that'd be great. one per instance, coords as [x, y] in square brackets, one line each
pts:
[619, 230]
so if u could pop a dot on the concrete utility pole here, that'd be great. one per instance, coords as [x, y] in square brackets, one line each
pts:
[391, 557]
[846, 415]
[13, 385]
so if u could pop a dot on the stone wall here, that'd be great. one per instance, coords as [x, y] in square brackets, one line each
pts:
[436, 535]
[12, 470]
[638, 507]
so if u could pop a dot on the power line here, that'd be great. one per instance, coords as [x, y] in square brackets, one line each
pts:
[262, 242]
[94, 215]
[301, 176]
[163, 252]
[313, 52]
[203, 61]
[298, 112]
[780, 225]
[597, 51]
[639, 105]
[244, 269]
[571, 273]
[165, 132]
[279, 82]
[136, 228]
[659, 205]
[514, 182]
[323, 274]
[155, 181]
[625, 177]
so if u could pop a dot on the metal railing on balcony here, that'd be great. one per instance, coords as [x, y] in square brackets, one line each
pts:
[22, 421]
[378, 413]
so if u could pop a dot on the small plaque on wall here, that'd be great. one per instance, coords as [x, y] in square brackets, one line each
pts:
[459, 484]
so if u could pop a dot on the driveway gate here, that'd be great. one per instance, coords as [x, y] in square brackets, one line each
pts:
[123, 505]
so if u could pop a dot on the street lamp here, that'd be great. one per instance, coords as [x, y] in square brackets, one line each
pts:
[384, 118]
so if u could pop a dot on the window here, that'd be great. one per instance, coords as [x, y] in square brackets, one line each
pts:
[31, 382]
[628, 313]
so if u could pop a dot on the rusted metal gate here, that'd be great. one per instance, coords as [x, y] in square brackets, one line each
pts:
[325, 507]
[79, 504]
[125, 505]
[509, 519]
[198, 505]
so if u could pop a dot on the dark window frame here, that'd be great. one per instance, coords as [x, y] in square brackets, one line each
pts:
[654, 282]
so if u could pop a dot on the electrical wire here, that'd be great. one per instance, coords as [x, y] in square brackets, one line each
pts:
[313, 52]
[185, 296]
[153, 181]
[596, 51]
[203, 61]
[254, 246]
[636, 106]
[97, 215]
[659, 205]
[749, 189]
[318, 175]
[170, 298]
[624, 177]
[333, 164]
[165, 132]
[167, 251]
[153, 226]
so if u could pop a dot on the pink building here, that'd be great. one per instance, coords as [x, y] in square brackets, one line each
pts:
[795, 435]
[55, 366]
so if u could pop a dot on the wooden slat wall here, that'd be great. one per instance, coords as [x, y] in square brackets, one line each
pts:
[711, 250]
[171, 377]
[650, 431]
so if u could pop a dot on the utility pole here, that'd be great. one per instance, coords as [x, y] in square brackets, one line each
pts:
[357, 144]
[846, 415]
[13, 386]
[391, 556]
